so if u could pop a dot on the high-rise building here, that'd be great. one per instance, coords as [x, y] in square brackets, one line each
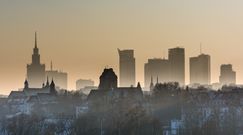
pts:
[35, 70]
[59, 77]
[177, 65]
[227, 75]
[126, 68]
[82, 83]
[156, 68]
[200, 71]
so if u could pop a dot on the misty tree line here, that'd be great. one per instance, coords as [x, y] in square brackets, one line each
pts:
[133, 122]
[128, 117]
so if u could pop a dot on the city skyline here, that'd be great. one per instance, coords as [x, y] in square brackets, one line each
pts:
[72, 43]
[175, 52]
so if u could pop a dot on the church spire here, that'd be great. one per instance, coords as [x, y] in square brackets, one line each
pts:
[47, 82]
[26, 84]
[151, 83]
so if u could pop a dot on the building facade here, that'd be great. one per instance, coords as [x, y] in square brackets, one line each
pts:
[127, 68]
[60, 78]
[177, 65]
[227, 75]
[156, 68]
[200, 70]
[83, 83]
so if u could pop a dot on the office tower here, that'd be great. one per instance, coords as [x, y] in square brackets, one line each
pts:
[35, 70]
[82, 83]
[60, 78]
[156, 68]
[200, 71]
[126, 68]
[177, 65]
[227, 75]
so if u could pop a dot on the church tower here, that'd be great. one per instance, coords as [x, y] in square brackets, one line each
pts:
[35, 70]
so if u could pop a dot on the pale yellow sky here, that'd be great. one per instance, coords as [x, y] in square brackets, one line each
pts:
[81, 37]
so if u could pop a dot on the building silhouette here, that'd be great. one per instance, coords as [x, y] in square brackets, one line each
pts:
[177, 65]
[82, 83]
[227, 75]
[48, 89]
[59, 77]
[35, 70]
[200, 71]
[126, 68]
[156, 68]
[109, 92]
[108, 80]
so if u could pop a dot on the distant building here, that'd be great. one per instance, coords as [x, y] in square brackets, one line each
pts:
[22, 101]
[59, 77]
[156, 68]
[35, 70]
[82, 83]
[227, 75]
[127, 68]
[47, 89]
[108, 91]
[108, 80]
[200, 71]
[86, 90]
[177, 65]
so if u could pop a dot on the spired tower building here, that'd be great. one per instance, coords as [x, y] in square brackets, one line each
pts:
[35, 70]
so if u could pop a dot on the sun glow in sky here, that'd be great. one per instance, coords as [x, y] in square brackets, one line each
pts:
[81, 37]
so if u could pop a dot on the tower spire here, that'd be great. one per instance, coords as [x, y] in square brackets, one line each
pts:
[151, 83]
[35, 39]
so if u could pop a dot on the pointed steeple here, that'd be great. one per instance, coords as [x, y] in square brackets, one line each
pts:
[52, 83]
[52, 88]
[26, 84]
[35, 39]
[151, 84]
[47, 82]
[36, 55]
[139, 86]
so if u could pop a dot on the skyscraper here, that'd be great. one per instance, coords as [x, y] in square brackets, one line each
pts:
[156, 68]
[200, 71]
[126, 68]
[35, 70]
[227, 75]
[59, 77]
[177, 65]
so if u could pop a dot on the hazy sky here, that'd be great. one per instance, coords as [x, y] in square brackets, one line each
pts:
[81, 37]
